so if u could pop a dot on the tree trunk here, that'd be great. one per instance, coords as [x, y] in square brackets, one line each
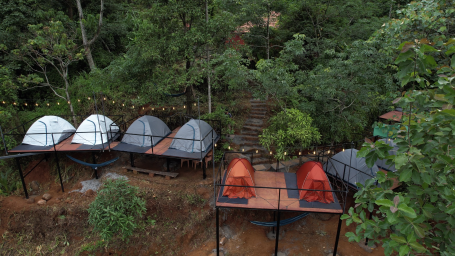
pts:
[189, 91]
[70, 102]
[208, 58]
[85, 41]
[390, 12]
[268, 31]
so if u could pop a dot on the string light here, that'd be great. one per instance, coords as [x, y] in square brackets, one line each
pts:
[163, 108]
[48, 104]
[243, 150]
[4, 102]
[229, 147]
[285, 153]
[133, 106]
[123, 104]
[270, 152]
[314, 152]
[215, 144]
[36, 104]
[26, 104]
[142, 108]
[172, 108]
[104, 98]
[113, 102]
[343, 149]
[257, 151]
[300, 153]
[88, 98]
[153, 109]
[78, 100]
[69, 102]
[329, 151]
[195, 104]
[14, 103]
[58, 103]
[184, 106]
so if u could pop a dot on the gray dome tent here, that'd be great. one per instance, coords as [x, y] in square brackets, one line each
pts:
[194, 136]
[142, 132]
[382, 163]
[359, 171]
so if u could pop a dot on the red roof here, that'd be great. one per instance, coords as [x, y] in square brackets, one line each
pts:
[393, 115]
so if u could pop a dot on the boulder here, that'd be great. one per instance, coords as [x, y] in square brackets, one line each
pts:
[34, 185]
[89, 192]
[47, 197]
[42, 202]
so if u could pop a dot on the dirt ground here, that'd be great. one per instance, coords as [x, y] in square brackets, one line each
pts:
[180, 218]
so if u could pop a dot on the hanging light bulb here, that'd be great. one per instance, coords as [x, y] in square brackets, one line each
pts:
[26, 104]
[195, 104]
[329, 151]
[48, 104]
[36, 104]
[257, 151]
[69, 102]
[123, 104]
[229, 147]
[58, 103]
[14, 103]
[314, 152]
[215, 144]
[173, 108]
[4, 102]
[78, 100]
[133, 106]
[184, 106]
[163, 108]
[300, 153]
[285, 153]
[113, 102]
[88, 98]
[153, 109]
[142, 108]
[270, 152]
[243, 150]
[343, 149]
[104, 98]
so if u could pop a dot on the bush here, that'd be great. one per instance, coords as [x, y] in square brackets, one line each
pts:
[116, 209]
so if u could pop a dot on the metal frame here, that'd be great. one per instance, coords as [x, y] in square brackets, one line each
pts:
[217, 183]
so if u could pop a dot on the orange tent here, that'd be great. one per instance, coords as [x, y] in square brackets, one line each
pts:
[311, 176]
[239, 173]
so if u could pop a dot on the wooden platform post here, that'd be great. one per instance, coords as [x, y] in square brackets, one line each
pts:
[94, 161]
[217, 231]
[22, 177]
[58, 169]
[204, 175]
[132, 159]
[337, 237]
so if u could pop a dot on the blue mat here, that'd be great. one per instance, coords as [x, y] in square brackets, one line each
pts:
[225, 199]
[291, 182]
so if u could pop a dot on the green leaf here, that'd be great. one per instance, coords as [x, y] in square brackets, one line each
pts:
[417, 246]
[344, 216]
[404, 250]
[451, 209]
[384, 202]
[406, 175]
[408, 211]
[404, 56]
[419, 231]
[398, 239]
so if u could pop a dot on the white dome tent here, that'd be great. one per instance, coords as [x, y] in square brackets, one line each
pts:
[356, 170]
[96, 130]
[146, 131]
[195, 136]
[47, 131]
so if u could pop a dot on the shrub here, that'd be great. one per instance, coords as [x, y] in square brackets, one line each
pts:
[116, 209]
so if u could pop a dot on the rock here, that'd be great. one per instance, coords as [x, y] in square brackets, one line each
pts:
[223, 241]
[330, 253]
[42, 202]
[30, 200]
[227, 232]
[47, 197]
[221, 252]
[89, 192]
[280, 254]
[272, 236]
[366, 248]
[34, 185]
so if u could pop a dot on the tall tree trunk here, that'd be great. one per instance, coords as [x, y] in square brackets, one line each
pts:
[268, 31]
[208, 58]
[85, 41]
[189, 91]
[390, 12]
[68, 98]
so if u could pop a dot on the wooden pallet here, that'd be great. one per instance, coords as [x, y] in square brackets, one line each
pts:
[152, 173]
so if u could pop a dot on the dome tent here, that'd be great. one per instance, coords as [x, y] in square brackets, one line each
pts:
[359, 171]
[311, 176]
[194, 136]
[95, 130]
[48, 130]
[142, 132]
[239, 173]
[383, 163]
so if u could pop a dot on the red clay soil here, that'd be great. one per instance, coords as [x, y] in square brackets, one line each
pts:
[185, 222]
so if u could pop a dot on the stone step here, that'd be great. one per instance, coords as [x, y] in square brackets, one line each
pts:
[258, 112]
[252, 128]
[262, 160]
[250, 138]
[258, 102]
[253, 133]
[257, 116]
[259, 148]
[253, 144]
[253, 124]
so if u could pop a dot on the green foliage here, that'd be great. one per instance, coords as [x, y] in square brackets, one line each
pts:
[288, 130]
[227, 123]
[116, 210]
[421, 214]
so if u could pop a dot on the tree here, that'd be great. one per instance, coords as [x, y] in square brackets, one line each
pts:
[418, 218]
[87, 43]
[116, 209]
[52, 47]
[289, 130]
